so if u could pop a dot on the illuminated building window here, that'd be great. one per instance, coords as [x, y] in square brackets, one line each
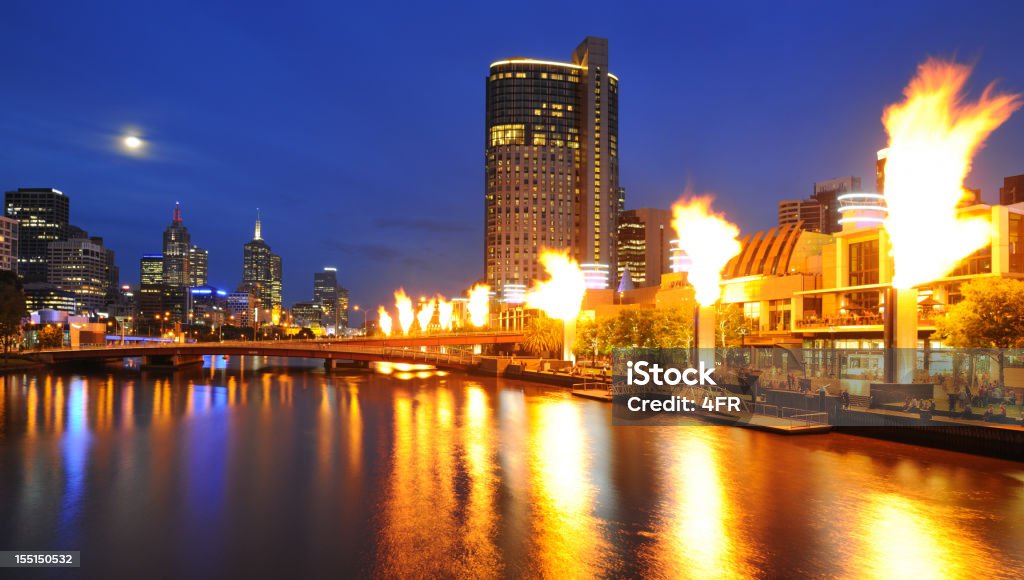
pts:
[864, 263]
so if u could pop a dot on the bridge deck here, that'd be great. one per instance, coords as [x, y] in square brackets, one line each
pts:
[404, 349]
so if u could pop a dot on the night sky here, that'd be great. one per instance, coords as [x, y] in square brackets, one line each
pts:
[357, 128]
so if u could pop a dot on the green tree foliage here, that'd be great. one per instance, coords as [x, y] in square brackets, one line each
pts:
[12, 310]
[635, 328]
[991, 315]
[51, 336]
[543, 336]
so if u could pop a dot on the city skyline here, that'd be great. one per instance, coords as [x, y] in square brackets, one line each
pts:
[221, 155]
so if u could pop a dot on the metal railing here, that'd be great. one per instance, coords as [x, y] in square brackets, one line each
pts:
[804, 417]
[593, 386]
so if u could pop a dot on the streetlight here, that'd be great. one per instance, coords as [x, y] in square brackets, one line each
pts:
[357, 309]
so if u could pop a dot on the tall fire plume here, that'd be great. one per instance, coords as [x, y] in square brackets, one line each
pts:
[479, 300]
[710, 242]
[426, 314]
[561, 295]
[405, 312]
[444, 313]
[933, 136]
[384, 321]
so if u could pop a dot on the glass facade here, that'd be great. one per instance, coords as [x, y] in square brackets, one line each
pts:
[540, 124]
[864, 263]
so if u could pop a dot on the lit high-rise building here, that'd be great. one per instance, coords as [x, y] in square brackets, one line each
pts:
[8, 244]
[80, 266]
[261, 271]
[42, 215]
[643, 245]
[198, 266]
[177, 244]
[151, 284]
[551, 163]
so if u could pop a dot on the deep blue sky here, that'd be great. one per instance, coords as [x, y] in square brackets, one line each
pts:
[358, 127]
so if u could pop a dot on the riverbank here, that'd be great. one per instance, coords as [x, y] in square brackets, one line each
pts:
[14, 364]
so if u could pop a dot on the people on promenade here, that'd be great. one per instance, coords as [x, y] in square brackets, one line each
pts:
[989, 414]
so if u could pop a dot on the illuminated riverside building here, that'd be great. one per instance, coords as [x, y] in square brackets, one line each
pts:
[208, 306]
[42, 215]
[551, 164]
[805, 289]
[643, 245]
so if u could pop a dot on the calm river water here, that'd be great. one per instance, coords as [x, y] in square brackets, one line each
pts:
[265, 467]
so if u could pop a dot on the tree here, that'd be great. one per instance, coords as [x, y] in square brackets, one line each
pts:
[991, 315]
[51, 336]
[543, 336]
[305, 333]
[12, 310]
[729, 321]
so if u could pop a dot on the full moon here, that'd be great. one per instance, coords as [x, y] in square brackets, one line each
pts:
[132, 142]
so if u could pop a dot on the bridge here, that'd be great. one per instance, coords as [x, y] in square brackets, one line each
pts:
[448, 351]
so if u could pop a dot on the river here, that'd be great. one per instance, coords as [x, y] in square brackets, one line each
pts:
[269, 467]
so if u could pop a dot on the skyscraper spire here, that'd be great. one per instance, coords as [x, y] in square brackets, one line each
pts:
[257, 236]
[177, 213]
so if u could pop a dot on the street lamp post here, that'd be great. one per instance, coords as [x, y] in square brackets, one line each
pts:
[357, 309]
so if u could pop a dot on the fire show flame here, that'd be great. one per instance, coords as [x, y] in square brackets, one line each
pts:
[426, 315]
[479, 310]
[405, 312]
[710, 242]
[384, 321]
[444, 313]
[561, 295]
[933, 136]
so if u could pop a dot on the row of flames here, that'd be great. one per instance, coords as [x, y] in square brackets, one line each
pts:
[933, 135]
[477, 312]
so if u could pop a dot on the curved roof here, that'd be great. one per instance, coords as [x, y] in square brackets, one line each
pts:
[765, 253]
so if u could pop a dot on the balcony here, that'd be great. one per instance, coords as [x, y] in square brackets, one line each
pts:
[925, 319]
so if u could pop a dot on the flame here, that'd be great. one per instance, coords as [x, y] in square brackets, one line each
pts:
[710, 242]
[426, 315]
[444, 313]
[405, 311]
[561, 295]
[479, 298]
[933, 136]
[384, 321]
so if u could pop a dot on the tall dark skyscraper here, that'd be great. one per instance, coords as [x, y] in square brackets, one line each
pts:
[332, 298]
[827, 193]
[177, 244]
[261, 272]
[42, 215]
[551, 163]
[1012, 190]
[643, 245]
[151, 285]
